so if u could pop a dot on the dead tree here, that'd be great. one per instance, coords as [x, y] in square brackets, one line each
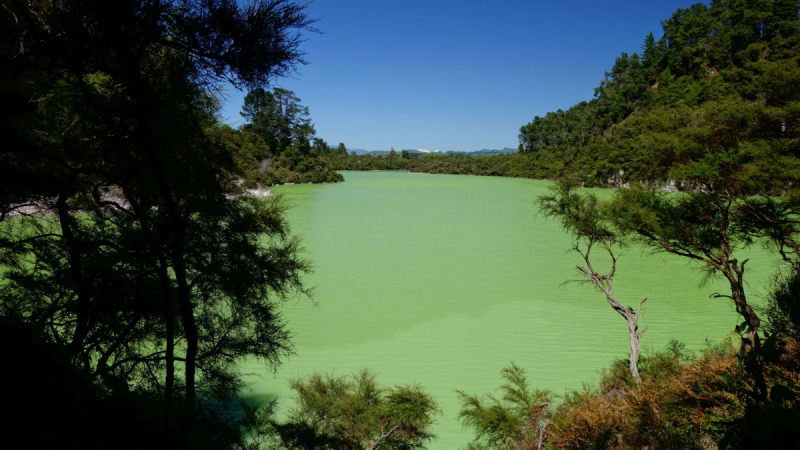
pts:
[604, 284]
[581, 215]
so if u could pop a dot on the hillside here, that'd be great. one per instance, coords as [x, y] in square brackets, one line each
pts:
[724, 77]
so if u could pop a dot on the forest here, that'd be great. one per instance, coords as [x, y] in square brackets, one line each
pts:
[139, 271]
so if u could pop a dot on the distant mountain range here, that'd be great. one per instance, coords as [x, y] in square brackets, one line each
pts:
[486, 151]
[361, 151]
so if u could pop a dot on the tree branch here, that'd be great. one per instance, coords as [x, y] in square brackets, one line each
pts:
[383, 436]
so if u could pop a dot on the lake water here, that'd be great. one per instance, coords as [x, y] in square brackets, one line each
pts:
[444, 279]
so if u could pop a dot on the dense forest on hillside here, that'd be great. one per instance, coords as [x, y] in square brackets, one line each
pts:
[724, 75]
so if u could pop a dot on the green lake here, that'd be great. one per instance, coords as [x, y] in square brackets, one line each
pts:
[444, 279]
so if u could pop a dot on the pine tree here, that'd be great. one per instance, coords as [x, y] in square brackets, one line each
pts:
[650, 53]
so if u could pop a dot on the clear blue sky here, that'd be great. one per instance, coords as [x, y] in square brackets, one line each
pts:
[456, 75]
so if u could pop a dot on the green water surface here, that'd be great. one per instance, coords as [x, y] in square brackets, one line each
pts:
[444, 279]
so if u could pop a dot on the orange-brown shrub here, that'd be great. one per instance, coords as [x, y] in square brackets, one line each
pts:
[682, 402]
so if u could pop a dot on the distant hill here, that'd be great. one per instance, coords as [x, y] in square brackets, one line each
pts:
[494, 152]
[486, 151]
[383, 153]
[417, 153]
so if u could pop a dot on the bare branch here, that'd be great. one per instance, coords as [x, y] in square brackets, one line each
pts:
[639, 309]
[383, 436]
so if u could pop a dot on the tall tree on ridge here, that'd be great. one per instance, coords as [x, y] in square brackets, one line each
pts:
[279, 119]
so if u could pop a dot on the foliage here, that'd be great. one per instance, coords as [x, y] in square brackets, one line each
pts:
[685, 400]
[585, 218]
[518, 420]
[278, 145]
[516, 165]
[258, 167]
[677, 404]
[707, 110]
[579, 214]
[781, 308]
[278, 118]
[58, 406]
[356, 413]
[740, 56]
[127, 243]
[771, 415]
[724, 155]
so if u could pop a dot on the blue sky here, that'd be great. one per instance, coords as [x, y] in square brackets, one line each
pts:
[455, 75]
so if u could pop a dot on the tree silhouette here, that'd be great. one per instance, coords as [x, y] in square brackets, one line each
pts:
[142, 255]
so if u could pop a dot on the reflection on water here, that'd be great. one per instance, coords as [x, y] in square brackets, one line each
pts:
[444, 279]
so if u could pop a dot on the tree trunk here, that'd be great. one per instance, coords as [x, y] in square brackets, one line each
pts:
[746, 311]
[735, 275]
[169, 317]
[74, 258]
[604, 283]
[178, 225]
[634, 334]
[633, 331]
[162, 268]
[187, 316]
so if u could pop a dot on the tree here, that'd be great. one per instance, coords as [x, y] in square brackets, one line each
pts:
[582, 216]
[356, 413]
[726, 156]
[320, 147]
[518, 420]
[392, 154]
[650, 54]
[279, 119]
[153, 275]
[561, 129]
[781, 308]
[687, 34]
[405, 154]
[702, 227]
[771, 412]
[342, 150]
